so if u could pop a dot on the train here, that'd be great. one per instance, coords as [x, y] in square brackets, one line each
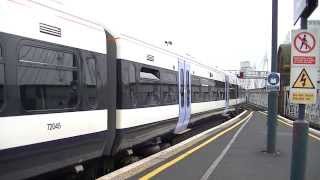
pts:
[74, 95]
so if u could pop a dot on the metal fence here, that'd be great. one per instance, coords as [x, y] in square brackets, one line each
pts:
[312, 112]
[259, 97]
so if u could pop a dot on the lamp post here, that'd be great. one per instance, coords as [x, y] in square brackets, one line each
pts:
[273, 96]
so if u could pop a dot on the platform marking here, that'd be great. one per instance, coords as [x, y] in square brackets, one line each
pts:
[223, 153]
[188, 153]
[311, 135]
[290, 125]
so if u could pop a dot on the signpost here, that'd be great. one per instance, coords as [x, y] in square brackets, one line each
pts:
[304, 67]
[303, 90]
[303, 82]
[273, 82]
[273, 96]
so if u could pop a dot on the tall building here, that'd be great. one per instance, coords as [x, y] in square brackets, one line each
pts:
[245, 66]
[252, 76]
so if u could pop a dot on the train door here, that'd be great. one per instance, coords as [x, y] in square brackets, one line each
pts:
[226, 94]
[236, 87]
[184, 96]
[187, 95]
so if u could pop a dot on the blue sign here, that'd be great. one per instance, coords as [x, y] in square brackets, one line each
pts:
[273, 81]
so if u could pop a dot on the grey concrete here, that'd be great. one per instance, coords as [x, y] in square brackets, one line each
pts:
[216, 162]
[194, 166]
[245, 159]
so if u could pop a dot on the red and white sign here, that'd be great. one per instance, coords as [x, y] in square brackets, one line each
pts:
[304, 42]
[304, 66]
[304, 60]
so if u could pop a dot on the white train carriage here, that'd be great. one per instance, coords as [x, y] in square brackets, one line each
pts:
[72, 94]
[56, 99]
[161, 92]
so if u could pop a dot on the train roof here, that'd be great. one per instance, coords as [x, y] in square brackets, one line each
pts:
[45, 20]
[49, 21]
[197, 68]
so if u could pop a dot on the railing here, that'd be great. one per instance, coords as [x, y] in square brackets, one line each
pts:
[259, 97]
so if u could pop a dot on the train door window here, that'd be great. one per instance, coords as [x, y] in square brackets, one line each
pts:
[188, 88]
[238, 91]
[48, 79]
[1, 79]
[89, 66]
[182, 87]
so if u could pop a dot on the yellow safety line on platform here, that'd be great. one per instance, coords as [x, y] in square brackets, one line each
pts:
[290, 125]
[311, 135]
[188, 153]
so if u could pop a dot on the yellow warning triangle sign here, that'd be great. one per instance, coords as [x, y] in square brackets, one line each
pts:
[303, 81]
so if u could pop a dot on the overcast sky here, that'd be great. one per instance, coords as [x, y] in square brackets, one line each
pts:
[219, 33]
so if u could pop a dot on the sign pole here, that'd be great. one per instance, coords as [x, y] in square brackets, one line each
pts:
[272, 96]
[300, 137]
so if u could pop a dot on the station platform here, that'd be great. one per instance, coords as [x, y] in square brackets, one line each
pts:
[237, 152]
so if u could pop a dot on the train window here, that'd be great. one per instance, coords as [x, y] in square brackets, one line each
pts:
[89, 66]
[220, 89]
[188, 88]
[46, 56]
[169, 88]
[169, 77]
[238, 91]
[128, 73]
[215, 94]
[1, 85]
[147, 73]
[232, 91]
[148, 90]
[195, 89]
[182, 87]
[1, 80]
[47, 79]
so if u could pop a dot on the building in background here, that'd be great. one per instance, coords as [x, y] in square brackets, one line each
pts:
[253, 78]
[246, 67]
